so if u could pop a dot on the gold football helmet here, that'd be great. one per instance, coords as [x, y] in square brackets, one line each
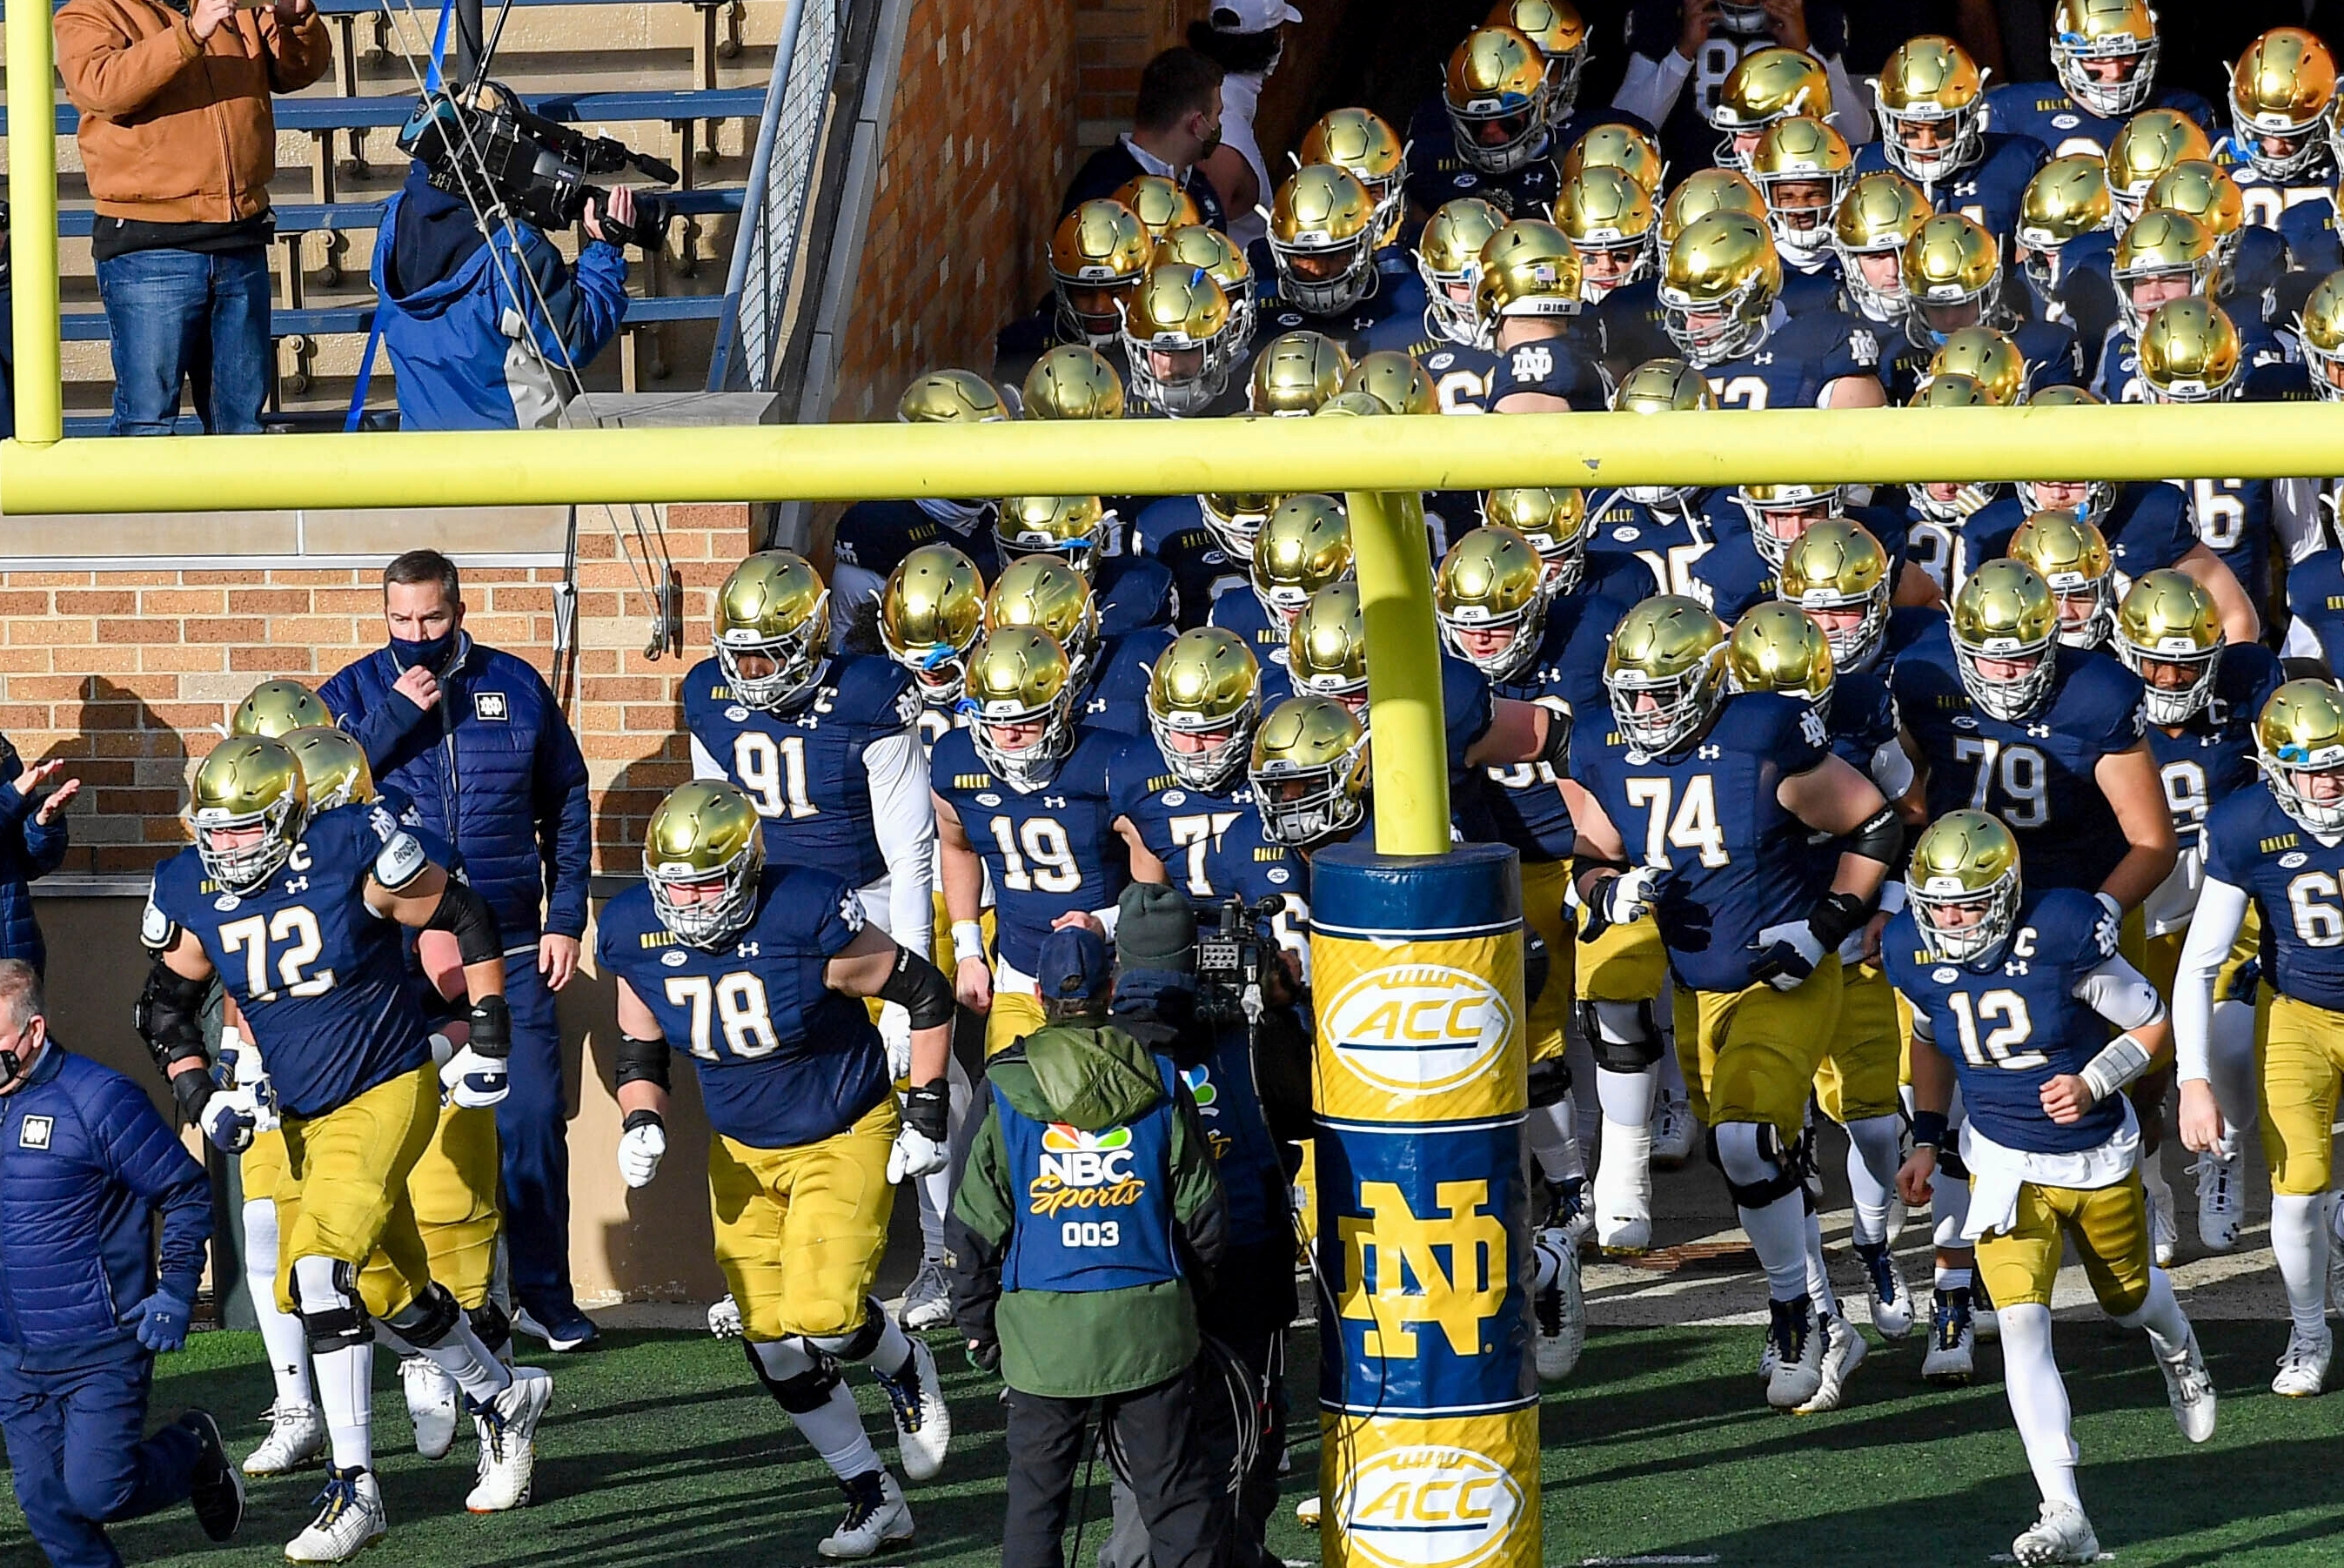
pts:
[1352, 405]
[1948, 502]
[1611, 222]
[1665, 673]
[2299, 743]
[1177, 331]
[1662, 387]
[1304, 546]
[334, 770]
[1837, 573]
[2066, 199]
[2190, 353]
[1448, 260]
[1764, 86]
[1932, 105]
[276, 708]
[2169, 633]
[1496, 93]
[1699, 194]
[1160, 206]
[2072, 557]
[1195, 244]
[1362, 141]
[2144, 148]
[247, 782]
[2283, 102]
[1962, 886]
[772, 628]
[1096, 256]
[1326, 647]
[1877, 218]
[1395, 379]
[2206, 191]
[1071, 529]
[1988, 356]
[1556, 522]
[1236, 517]
[1310, 771]
[1020, 703]
[2087, 499]
[1039, 592]
[1527, 269]
[1803, 168]
[1322, 233]
[930, 614]
[2003, 615]
[1613, 144]
[1204, 703]
[1489, 597]
[1780, 514]
[1777, 647]
[1953, 278]
[950, 398]
[1073, 381]
[2161, 246]
[704, 836]
[2321, 328]
[2088, 33]
[1560, 35]
[1718, 288]
[1296, 373]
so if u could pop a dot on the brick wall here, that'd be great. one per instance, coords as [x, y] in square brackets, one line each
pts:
[1113, 39]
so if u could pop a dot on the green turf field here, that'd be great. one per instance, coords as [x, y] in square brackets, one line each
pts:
[661, 1450]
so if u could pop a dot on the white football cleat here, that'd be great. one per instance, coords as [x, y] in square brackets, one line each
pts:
[433, 1403]
[923, 1420]
[2221, 1200]
[2190, 1388]
[1559, 1306]
[1842, 1356]
[2164, 1226]
[349, 1520]
[1306, 1512]
[1953, 1340]
[1625, 1233]
[725, 1318]
[1674, 1131]
[508, 1428]
[1798, 1373]
[1885, 1293]
[296, 1440]
[2060, 1533]
[876, 1516]
[927, 1300]
[2303, 1370]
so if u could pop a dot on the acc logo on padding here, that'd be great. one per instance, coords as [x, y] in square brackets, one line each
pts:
[1430, 1507]
[1418, 1029]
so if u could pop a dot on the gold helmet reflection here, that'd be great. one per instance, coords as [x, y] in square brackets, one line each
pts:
[1073, 381]
[1837, 565]
[334, 771]
[276, 708]
[1296, 373]
[1304, 546]
[1969, 860]
[930, 613]
[1665, 673]
[247, 780]
[2167, 618]
[2005, 614]
[1207, 686]
[705, 833]
[2072, 558]
[773, 606]
[1310, 771]
[1492, 581]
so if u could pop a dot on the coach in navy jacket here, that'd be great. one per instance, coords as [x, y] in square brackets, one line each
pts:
[477, 740]
[85, 1164]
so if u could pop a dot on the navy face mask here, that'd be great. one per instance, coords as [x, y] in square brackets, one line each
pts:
[431, 653]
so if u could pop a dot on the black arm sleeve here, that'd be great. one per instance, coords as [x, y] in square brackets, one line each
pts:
[169, 1016]
[1881, 838]
[468, 915]
[920, 988]
[642, 1061]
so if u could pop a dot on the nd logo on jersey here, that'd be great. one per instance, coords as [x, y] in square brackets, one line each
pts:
[1084, 1171]
[1428, 1506]
[1417, 1029]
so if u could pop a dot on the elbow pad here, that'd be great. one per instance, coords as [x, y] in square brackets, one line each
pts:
[1556, 753]
[1880, 838]
[169, 1016]
[920, 988]
[468, 915]
[642, 1061]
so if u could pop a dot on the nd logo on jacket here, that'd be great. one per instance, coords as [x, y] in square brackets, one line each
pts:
[1084, 1171]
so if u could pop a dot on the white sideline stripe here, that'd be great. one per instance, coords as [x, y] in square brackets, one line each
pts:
[1625, 1562]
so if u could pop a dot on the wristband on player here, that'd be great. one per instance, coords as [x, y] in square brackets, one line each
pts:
[2120, 1061]
[968, 941]
[1834, 916]
[492, 1022]
[1929, 1127]
[927, 1110]
[636, 1118]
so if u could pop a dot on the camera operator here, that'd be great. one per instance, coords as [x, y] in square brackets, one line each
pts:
[484, 328]
[179, 143]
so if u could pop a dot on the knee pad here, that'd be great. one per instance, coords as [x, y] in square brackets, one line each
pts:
[1757, 1168]
[800, 1379]
[1625, 1037]
[490, 1326]
[260, 1237]
[427, 1319]
[859, 1344]
[325, 1289]
[1550, 1082]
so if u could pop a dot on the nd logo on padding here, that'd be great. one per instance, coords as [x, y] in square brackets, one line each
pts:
[1418, 1029]
[1430, 1507]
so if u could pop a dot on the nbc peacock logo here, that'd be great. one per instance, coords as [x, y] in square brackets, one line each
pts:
[1079, 1170]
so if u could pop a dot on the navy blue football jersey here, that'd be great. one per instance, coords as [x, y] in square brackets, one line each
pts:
[1664, 541]
[2080, 296]
[1462, 375]
[1171, 530]
[2315, 597]
[2213, 756]
[783, 1060]
[1133, 592]
[1047, 850]
[2046, 113]
[1732, 576]
[2148, 528]
[321, 979]
[2294, 880]
[2036, 773]
[803, 768]
[2118, 379]
[1276, 316]
[1802, 355]
[1734, 860]
[1566, 676]
[1437, 174]
[2012, 1022]
[1414, 335]
[876, 535]
[1210, 841]
[1810, 285]
[1555, 367]
[1988, 191]
[2293, 206]
[1115, 696]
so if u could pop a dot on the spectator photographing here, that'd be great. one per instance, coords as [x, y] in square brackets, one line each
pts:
[1175, 126]
[179, 143]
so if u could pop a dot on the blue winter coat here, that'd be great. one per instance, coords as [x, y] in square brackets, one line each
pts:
[493, 770]
[29, 852]
[85, 1164]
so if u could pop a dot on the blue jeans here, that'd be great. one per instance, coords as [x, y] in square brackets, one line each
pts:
[533, 1139]
[188, 315]
[76, 1456]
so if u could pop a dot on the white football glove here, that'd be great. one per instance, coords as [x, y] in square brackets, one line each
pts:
[229, 1119]
[442, 1048]
[641, 1147]
[472, 1081]
[239, 1059]
[913, 1154]
[725, 1318]
[2109, 931]
[1629, 896]
[895, 1034]
[1787, 955]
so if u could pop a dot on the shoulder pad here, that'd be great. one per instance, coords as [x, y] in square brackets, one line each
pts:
[401, 860]
[157, 931]
[385, 825]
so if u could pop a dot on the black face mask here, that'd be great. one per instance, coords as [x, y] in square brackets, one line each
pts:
[432, 652]
[1212, 144]
[12, 1065]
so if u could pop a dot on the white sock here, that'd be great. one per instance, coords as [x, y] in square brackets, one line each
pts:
[2039, 1400]
[835, 1428]
[893, 1351]
[1623, 1176]
[2161, 1315]
[462, 1357]
[1778, 1231]
[1874, 1152]
[280, 1332]
[1818, 1285]
[1554, 1144]
[1952, 1278]
[2230, 1060]
[2301, 1242]
[1949, 1210]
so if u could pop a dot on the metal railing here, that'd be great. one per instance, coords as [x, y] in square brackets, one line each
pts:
[768, 245]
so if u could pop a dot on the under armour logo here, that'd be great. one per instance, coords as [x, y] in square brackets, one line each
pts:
[2038, 732]
[1710, 752]
[2015, 966]
[1763, 356]
[1966, 187]
[1053, 802]
[746, 950]
[295, 884]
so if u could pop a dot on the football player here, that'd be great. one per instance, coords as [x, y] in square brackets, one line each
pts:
[2281, 146]
[1095, 257]
[1803, 168]
[1303, 546]
[1721, 290]
[2164, 256]
[2252, 258]
[1110, 673]
[1293, 376]
[314, 964]
[1755, 526]
[1322, 251]
[1876, 218]
[1205, 541]
[1696, 71]
[1931, 100]
[2013, 995]
[759, 972]
[1658, 527]
[1954, 281]
[2104, 54]
[2073, 560]
[2147, 146]
[1612, 223]
[1221, 257]
[1362, 141]
[1182, 342]
[1448, 259]
[1718, 795]
[1936, 510]
[1132, 591]
[1526, 295]
[1488, 133]
[2065, 244]
[871, 537]
[1072, 381]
